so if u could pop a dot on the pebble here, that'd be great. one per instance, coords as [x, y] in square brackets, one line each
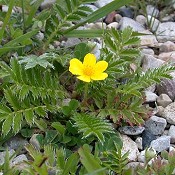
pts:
[152, 10]
[151, 88]
[150, 62]
[163, 100]
[131, 146]
[71, 42]
[168, 46]
[128, 22]
[138, 141]
[126, 12]
[166, 32]
[134, 165]
[141, 156]
[110, 18]
[166, 86]
[156, 125]
[161, 143]
[141, 19]
[147, 51]
[2, 155]
[171, 133]
[97, 25]
[131, 130]
[159, 111]
[101, 3]
[147, 137]
[47, 4]
[113, 25]
[150, 96]
[16, 143]
[19, 159]
[167, 56]
[152, 23]
[118, 17]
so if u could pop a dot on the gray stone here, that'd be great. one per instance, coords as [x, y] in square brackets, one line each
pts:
[47, 4]
[163, 100]
[147, 51]
[161, 143]
[71, 42]
[131, 146]
[40, 36]
[147, 137]
[93, 7]
[151, 10]
[167, 87]
[150, 96]
[141, 156]
[151, 88]
[167, 56]
[97, 25]
[131, 130]
[166, 32]
[16, 143]
[113, 25]
[141, 19]
[167, 47]
[153, 23]
[156, 125]
[126, 12]
[128, 22]
[159, 111]
[150, 62]
[134, 165]
[34, 141]
[101, 3]
[2, 155]
[19, 159]
[138, 141]
[171, 133]
[118, 17]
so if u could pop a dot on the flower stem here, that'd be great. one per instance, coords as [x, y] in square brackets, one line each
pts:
[84, 102]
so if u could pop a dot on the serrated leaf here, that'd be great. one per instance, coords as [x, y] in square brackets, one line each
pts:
[17, 121]
[6, 126]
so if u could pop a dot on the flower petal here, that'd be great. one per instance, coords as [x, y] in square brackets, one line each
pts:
[101, 66]
[84, 78]
[76, 66]
[89, 59]
[99, 76]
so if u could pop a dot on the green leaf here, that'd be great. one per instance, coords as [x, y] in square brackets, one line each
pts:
[17, 122]
[89, 161]
[6, 126]
[59, 127]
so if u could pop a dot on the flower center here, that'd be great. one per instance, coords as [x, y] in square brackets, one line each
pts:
[88, 70]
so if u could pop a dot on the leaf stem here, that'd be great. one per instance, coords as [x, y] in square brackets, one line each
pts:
[84, 102]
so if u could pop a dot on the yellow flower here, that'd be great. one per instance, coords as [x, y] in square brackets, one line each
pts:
[90, 69]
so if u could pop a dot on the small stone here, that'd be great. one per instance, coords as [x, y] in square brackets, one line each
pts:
[147, 137]
[97, 25]
[96, 49]
[128, 22]
[2, 155]
[47, 4]
[129, 145]
[160, 111]
[138, 141]
[147, 51]
[150, 62]
[126, 12]
[131, 130]
[150, 96]
[101, 3]
[16, 143]
[151, 88]
[110, 17]
[1, 23]
[153, 23]
[167, 56]
[171, 133]
[164, 100]
[167, 87]
[141, 156]
[134, 165]
[169, 113]
[93, 7]
[165, 133]
[141, 19]
[166, 32]
[160, 144]
[118, 17]
[40, 36]
[72, 42]
[156, 125]
[113, 25]
[19, 159]
[34, 141]
[151, 10]
[148, 40]
[167, 47]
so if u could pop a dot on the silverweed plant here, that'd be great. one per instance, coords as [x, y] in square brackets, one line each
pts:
[69, 97]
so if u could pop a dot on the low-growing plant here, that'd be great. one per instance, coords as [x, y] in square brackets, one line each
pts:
[68, 97]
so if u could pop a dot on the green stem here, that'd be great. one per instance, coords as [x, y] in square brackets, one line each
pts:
[23, 17]
[84, 102]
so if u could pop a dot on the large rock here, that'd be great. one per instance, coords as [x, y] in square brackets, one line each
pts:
[150, 62]
[131, 146]
[169, 113]
[166, 32]
[160, 144]
[156, 125]
[128, 22]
